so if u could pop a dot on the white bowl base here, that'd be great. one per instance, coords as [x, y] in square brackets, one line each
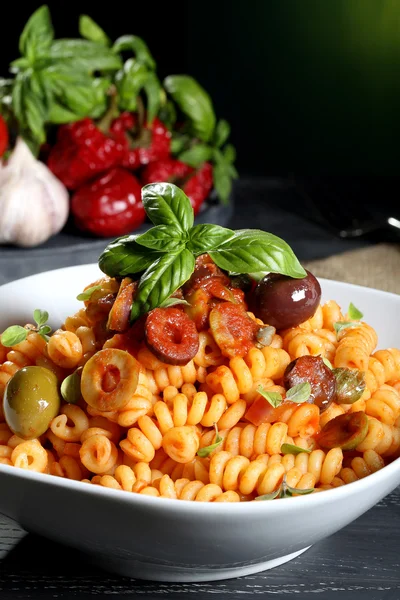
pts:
[175, 574]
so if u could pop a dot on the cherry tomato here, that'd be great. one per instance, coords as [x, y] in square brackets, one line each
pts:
[171, 335]
[3, 136]
[110, 205]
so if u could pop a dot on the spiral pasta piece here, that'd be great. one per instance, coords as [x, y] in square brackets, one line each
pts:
[383, 438]
[355, 346]
[143, 440]
[248, 440]
[384, 405]
[361, 467]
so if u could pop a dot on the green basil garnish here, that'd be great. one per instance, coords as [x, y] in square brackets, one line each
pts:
[164, 255]
[339, 325]
[273, 398]
[354, 312]
[206, 451]
[299, 393]
[87, 294]
[285, 491]
[15, 334]
[292, 449]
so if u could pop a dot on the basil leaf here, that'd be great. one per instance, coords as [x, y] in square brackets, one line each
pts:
[129, 81]
[137, 46]
[173, 302]
[179, 142]
[221, 133]
[270, 496]
[292, 449]
[91, 31]
[206, 451]
[273, 398]
[37, 35]
[222, 182]
[196, 155]
[91, 56]
[162, 238]
[229, 154]
[153, 91]
[87, 294]
[161, 280]
[43, 331]
[339, 325]
[291, 491]
[327, 362]
[167, 114]
[71, 387]
[299, 393]
[194, 102]
[205, 237]
[13, 335]
[41, 316]
[124, 256]
[252, 251]
[354, 313]
[166, 204]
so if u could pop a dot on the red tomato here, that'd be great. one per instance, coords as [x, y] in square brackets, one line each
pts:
[261, 411]
[3, 136]
[110, 205]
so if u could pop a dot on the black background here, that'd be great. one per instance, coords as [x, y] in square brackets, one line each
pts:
[310, 88]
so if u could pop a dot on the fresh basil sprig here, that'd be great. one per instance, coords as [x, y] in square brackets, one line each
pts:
[299, 393]
[15, 334]
[274, 398]
[165, 255]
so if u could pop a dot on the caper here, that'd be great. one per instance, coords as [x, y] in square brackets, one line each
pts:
[350, 385]
[31, 401]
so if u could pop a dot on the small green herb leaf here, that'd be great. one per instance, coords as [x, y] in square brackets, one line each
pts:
[129, 81]
[86, 295]
[270, 496]
[252, 251]
[292, 449]
[205, 237]
[166, 204]
[194, 102]
[162, 238]
[339, 325]
[273, 398]
[206, 451]
[299, 393]
[291, 491]
[43, 331]
[354, 313]
[196, 155]
[327, 362]
[161, 280]
[221, 133]
[13, 335]
[136, 45]
[173, 302]
[91, 31]
[71, 387]
[153, 91]
[37, 35]
[40, 316]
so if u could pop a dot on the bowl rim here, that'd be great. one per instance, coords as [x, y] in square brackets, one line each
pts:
[253, 508]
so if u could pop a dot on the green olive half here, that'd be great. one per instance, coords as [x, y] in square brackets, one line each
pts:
[31, 401]
[344, 431]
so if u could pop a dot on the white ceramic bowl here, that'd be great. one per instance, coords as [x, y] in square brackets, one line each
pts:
[175, 540]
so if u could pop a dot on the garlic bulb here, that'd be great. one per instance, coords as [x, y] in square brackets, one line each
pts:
[34, 204]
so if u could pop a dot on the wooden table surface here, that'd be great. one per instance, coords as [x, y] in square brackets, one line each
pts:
[360, 562]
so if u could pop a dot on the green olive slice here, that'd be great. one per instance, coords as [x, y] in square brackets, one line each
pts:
[345, 431]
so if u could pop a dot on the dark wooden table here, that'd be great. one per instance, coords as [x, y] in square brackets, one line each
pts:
[361, 562]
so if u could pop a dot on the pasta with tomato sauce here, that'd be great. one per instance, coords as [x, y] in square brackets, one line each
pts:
[201, 400]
